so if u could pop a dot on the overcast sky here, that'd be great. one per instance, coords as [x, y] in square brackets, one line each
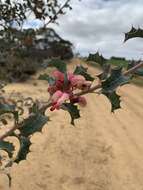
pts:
[100, 25]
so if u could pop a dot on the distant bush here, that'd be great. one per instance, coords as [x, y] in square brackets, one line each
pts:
[15, 69]
[118, 58]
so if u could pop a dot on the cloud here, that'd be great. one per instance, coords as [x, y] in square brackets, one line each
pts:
[100, 25]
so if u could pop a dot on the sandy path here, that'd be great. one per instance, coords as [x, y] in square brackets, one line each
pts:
[103, 151]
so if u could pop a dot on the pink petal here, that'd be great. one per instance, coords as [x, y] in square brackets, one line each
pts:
[63, 99]
[77, 81]
[58, 75]
[56, 96]
[70, 76]
[52, 89]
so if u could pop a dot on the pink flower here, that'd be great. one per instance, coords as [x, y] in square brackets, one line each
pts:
[63, 98]
[60, 99]
[58, 75]
[56, 96]
[52, 89]
[77, 81]
[70, 76]
[61, 92]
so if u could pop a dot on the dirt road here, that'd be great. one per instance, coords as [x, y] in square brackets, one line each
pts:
[103, 151]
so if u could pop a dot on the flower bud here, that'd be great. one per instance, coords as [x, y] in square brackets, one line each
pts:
[58, 75]
[77, 81]
[63, 99]
[56, 96]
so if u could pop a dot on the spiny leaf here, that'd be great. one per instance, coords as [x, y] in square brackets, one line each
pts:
[33, 124]
[34, 109]
[114, 99]
[48, 78]
[104, 74]
[133, 33]
[59, 64]
[6, 108]
[8, 147]
[24, 149]
[115, 80]
[80, 70]
[9, 178]
[97, 58]
[73, 111]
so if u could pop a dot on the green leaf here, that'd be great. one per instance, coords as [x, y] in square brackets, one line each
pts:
[115, 80]
[97, 58]
[105, 73]
[34, 109]
[114, 100]
[48, 78]
[33, 124]
[73, 111]
[80, 70]
[24, 149]
[6, 108]
[134, 33]
[8, 147]
[9, 178]
[59, 64]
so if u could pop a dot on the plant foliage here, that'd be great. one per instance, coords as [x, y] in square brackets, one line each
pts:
[66, 89]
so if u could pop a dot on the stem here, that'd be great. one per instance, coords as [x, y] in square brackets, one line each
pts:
[92, 89]
[130, 71]
[46, 106]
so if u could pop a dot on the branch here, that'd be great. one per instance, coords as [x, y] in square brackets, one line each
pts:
[48, 104]
[128, 72]
[57, 13]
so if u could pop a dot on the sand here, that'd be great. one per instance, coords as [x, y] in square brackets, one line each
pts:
[104, 151]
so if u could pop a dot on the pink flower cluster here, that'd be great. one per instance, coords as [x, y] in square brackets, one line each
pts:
[61, 92]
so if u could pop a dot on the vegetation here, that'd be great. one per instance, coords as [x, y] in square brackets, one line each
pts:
[66, 88]
[118, 62]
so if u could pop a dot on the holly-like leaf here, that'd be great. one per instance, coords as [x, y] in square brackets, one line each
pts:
[114, 99]
[9, 178]
[6, 108]
[59, 64]
[33, 124]
[48, 78]
[134, 33]
[115, 80]
[73, 111]
[34, 109]
[106, 70]
[8, 147]
[97, 58]
[24, 149]
[80, 70]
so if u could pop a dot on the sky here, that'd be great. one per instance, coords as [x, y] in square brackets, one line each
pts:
[99, 25]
